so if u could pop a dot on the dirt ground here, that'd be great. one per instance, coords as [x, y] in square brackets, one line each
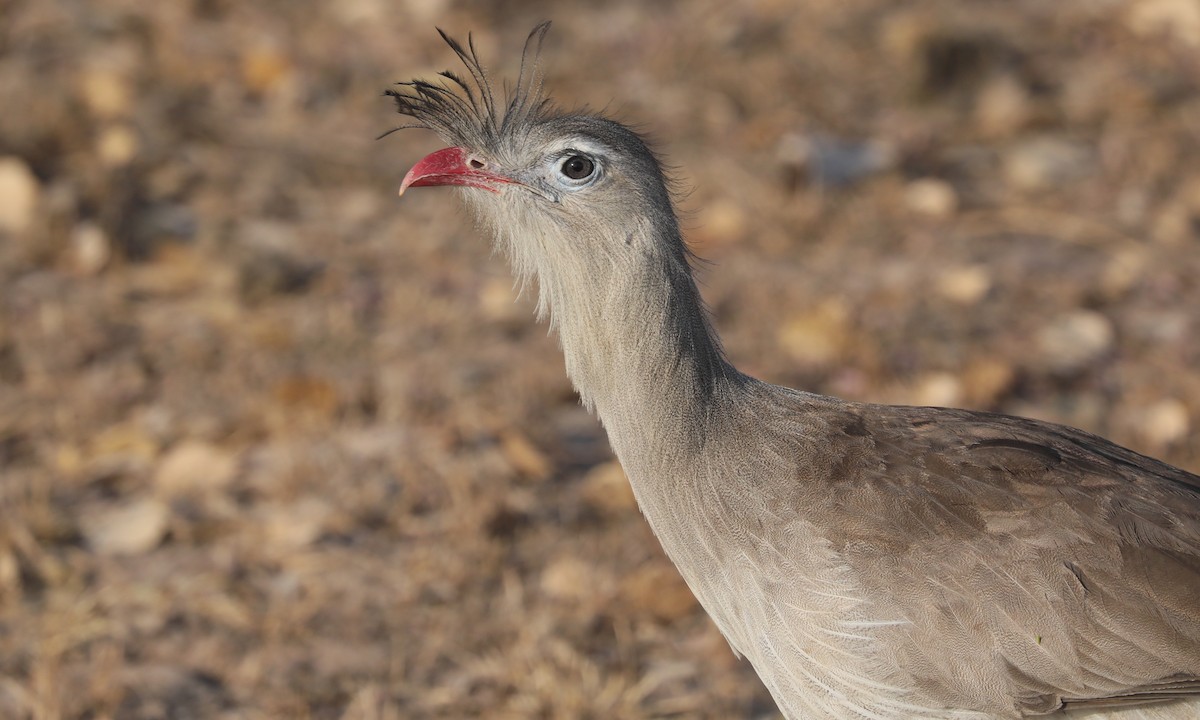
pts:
[277, 444]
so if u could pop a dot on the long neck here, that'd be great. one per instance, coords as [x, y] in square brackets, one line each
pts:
[643, 355]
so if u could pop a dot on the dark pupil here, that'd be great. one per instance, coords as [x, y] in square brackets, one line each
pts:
[577, 167]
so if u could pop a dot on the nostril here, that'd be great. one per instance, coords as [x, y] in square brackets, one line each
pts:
[476, 163]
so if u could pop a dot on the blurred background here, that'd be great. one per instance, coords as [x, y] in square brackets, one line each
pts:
[276, 444]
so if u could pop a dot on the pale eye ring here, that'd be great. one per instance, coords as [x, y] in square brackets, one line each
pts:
[578, 167]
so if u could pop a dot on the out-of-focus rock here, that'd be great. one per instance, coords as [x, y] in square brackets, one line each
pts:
[1172, 224]
[1125, 269]
[1046, 162]
[130, 528]
[524, 456]
[1178, 220]
[1165, 423]
[657, 589]
[965, 285]
[295, 525]
[722, 222]
[931, 197]
[1132, 205]
[265, 68]
[369, 702]
[570, 579]
[818, 336]
[904, 32]
[606, 489]
[986, 379]
[361, 12]
[19, 195]
[1071, 342]
[193, 467]
[1177, 19]
[1003, 107]
[939, 389]
[303, 401]
[117, 145]
[498, 301]
[375, 442]
[89, 249]
[10, 571]
[124, 447]
[1089, 95]
[836, 162]
[106, 91]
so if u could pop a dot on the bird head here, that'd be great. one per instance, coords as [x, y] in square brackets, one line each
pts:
[563, 193]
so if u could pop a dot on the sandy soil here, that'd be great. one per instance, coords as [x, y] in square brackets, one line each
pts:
[276, 444]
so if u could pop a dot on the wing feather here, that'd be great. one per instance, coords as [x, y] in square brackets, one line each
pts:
[1035, 561]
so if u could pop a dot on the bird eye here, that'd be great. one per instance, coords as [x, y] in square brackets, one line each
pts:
[578, 167]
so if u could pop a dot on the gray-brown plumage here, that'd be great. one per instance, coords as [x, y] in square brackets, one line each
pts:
[871, 561]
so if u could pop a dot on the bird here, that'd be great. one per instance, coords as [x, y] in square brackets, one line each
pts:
[870, 561]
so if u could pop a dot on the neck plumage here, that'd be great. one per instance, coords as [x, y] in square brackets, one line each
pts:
[642, 354]
[636, 338]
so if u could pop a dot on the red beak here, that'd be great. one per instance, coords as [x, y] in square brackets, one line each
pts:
[452, 166]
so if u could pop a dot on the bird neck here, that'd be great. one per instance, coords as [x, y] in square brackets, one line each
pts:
[644, 357]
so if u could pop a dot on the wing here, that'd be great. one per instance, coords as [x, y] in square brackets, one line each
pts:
[1037, 565]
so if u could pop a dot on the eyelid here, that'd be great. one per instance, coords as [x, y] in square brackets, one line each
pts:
[563, 156]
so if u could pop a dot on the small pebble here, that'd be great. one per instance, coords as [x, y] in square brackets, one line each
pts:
[20, 193]
[90, 249]
[1072, 342]
[264, 68]
[964, 285]
[569, 578]
[722, 222]
[1126, 267]
[106, 92]
[1046, 162]
[1166, 422]
[986, 379]
[819, 336]
[195, 467]
[837, 162]
[939, 389]
[1003, 107]
[117, 145]
[931, 197]
[524, 456]
[295, 525]
[1172, 224]
[498, 301]
[131, 528]
[1176, 19]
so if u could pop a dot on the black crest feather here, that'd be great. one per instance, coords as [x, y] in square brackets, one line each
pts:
[464, 111]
